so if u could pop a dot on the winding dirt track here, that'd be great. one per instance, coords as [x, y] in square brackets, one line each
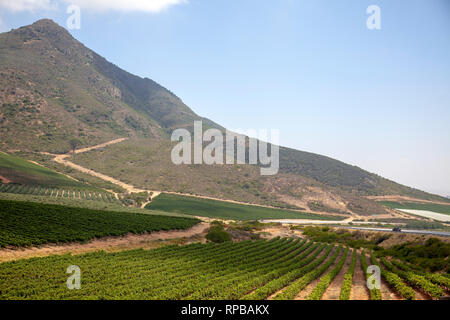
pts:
[62, 159]
[102, 145]
[130, 241]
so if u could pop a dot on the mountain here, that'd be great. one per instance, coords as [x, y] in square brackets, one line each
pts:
[53, 89]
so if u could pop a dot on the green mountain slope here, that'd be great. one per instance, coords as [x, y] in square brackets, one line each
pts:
[62, 90]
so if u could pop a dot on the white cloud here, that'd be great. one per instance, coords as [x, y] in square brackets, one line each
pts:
[25, 5]
[126, 5]
[91, 5]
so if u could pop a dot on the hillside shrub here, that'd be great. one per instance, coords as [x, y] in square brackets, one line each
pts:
[217, 233]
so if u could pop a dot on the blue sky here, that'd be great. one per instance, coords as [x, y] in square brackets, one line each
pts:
[378, 99]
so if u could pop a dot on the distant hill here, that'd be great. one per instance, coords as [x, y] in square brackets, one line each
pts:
[53, 89]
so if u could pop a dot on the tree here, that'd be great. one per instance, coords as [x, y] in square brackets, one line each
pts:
[74, 143]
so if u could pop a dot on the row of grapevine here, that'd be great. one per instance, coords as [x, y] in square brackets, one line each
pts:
[291, 291]
[436, 278]
[325, 281]
[281, 278]
[184, 280]
[375, 293]
[231, 268]
[394, 281]
[415, 280]
[69, 193]
[235, 286]
[347, 283]
[214, 270]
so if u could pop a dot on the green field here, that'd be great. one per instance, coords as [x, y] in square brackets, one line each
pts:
[171, 272]
[226, 210]
[59, 193]
[27, 223]
[246, 270]
[22, 171]
[438, 208]
[88, 204]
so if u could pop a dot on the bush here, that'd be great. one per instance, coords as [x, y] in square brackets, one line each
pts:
[217, 233]
[218, 236]
[424, 225]
[431, 256]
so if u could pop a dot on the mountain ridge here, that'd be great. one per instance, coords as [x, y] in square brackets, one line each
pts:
[62, 89]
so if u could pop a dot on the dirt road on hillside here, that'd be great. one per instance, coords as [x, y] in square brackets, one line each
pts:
[62, 159]
[397, 198]
[129, 188]
[102, 145]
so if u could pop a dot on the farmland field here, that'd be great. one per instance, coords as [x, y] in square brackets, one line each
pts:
[276, 269]
[428, 214]
[438, 208]
[60, 192]
[27, 223]
[83, 203]
[22, 171]
[227, 210]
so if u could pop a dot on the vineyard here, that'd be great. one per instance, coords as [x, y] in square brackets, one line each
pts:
[25, 172]
[69, 193]
[227, 210]
[28, 223]
[280, 268]
[439, 208]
